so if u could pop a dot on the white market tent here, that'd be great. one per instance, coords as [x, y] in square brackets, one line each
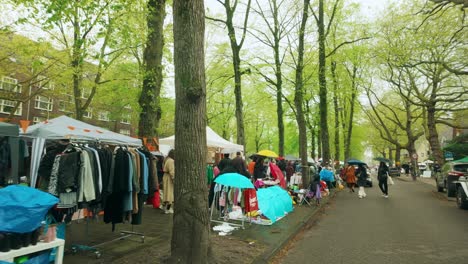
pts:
[69, 128]
[213, 140]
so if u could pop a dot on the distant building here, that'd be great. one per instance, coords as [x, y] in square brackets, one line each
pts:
[40, 97]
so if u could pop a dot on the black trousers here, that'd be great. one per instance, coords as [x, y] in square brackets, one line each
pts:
[383, 186]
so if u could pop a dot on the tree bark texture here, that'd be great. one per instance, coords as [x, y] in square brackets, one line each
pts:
[190, 234]
[298, 96]
[152, 78]
[323, 86]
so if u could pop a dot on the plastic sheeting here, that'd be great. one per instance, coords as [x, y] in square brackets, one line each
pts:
[23, 208]
[274, 202]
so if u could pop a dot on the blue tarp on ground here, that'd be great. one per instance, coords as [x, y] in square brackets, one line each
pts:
[23, 208]
[274, 202]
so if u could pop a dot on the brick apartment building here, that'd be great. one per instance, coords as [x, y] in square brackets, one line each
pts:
[43, 98]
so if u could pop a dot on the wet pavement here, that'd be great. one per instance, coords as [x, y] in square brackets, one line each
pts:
[157, 228]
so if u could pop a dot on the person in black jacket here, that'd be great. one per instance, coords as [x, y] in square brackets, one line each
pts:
[382, 175]
[361, 181]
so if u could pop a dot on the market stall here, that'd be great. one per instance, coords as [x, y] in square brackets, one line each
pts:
[64, 127]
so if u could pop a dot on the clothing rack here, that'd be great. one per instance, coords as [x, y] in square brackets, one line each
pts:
[75, 248]
[124, 233]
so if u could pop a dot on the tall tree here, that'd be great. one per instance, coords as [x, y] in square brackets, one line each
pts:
[85, 29]
[236, 60]
[322, 35]
[299, 94]
[190, 232]
[278, 28]
[152, 80]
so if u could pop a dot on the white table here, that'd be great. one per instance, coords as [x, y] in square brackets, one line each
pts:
[58, 243]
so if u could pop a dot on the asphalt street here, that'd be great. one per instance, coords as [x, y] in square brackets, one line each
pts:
[414, 225]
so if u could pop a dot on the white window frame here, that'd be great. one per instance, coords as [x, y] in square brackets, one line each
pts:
[103, 115]
[9, 103]
[88, 113]
[85, 93]
[65, 103]
[40, 100]
[10, 81]
[126, 118]
[48, 84]
[124, 132]
[38, 119]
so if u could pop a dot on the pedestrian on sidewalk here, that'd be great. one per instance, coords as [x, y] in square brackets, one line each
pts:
[168, 183]
[382, 176]
[361, 181]
[350, 177]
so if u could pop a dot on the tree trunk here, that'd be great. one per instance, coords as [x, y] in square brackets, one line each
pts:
[77, 67]
[351, 112]
[152, 79]
[237, 72]
[323, 86]
[433, 135]
[190, 233]
[398, 154]
[298, 97]
[279, 80]
[319, 143]
[337, 117]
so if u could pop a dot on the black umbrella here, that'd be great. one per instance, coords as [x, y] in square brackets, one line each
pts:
[355, 162]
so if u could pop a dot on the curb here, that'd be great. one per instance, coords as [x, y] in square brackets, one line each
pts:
[265, 257]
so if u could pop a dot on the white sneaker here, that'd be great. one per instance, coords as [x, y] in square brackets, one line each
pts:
[364, 195]
[386, 196]
[360, 196]
[171, 211]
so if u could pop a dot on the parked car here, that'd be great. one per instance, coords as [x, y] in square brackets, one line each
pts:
[394, 171]
[462, 192]
[450, 173]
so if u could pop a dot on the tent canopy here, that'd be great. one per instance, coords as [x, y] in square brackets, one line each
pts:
[213, 140]
[9, 129]
[67, 127]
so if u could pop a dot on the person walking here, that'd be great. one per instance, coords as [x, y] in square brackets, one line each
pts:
[350, 177]
[168, 183]
[361, 181]
[382, 176]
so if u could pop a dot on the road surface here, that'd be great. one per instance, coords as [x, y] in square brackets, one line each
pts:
[414, 225]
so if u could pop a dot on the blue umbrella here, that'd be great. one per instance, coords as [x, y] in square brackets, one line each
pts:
[355, 162]
[234, 180]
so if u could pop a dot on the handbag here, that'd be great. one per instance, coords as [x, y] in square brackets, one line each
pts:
[390, 180]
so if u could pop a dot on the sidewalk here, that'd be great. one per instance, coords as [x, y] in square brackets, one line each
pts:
[256, 243]
[429, 181]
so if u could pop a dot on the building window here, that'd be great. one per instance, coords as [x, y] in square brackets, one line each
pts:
[45, 83]
[103, 116]
[85, 93]
[65, 105]
[38, 119]
[6, 106]
[10, 84]
[88, 113]
[43, 103]
[125, 132]
[126, 119]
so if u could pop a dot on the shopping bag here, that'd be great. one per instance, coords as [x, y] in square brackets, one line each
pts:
[390, 180]
[155, 200]
[250, 200]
